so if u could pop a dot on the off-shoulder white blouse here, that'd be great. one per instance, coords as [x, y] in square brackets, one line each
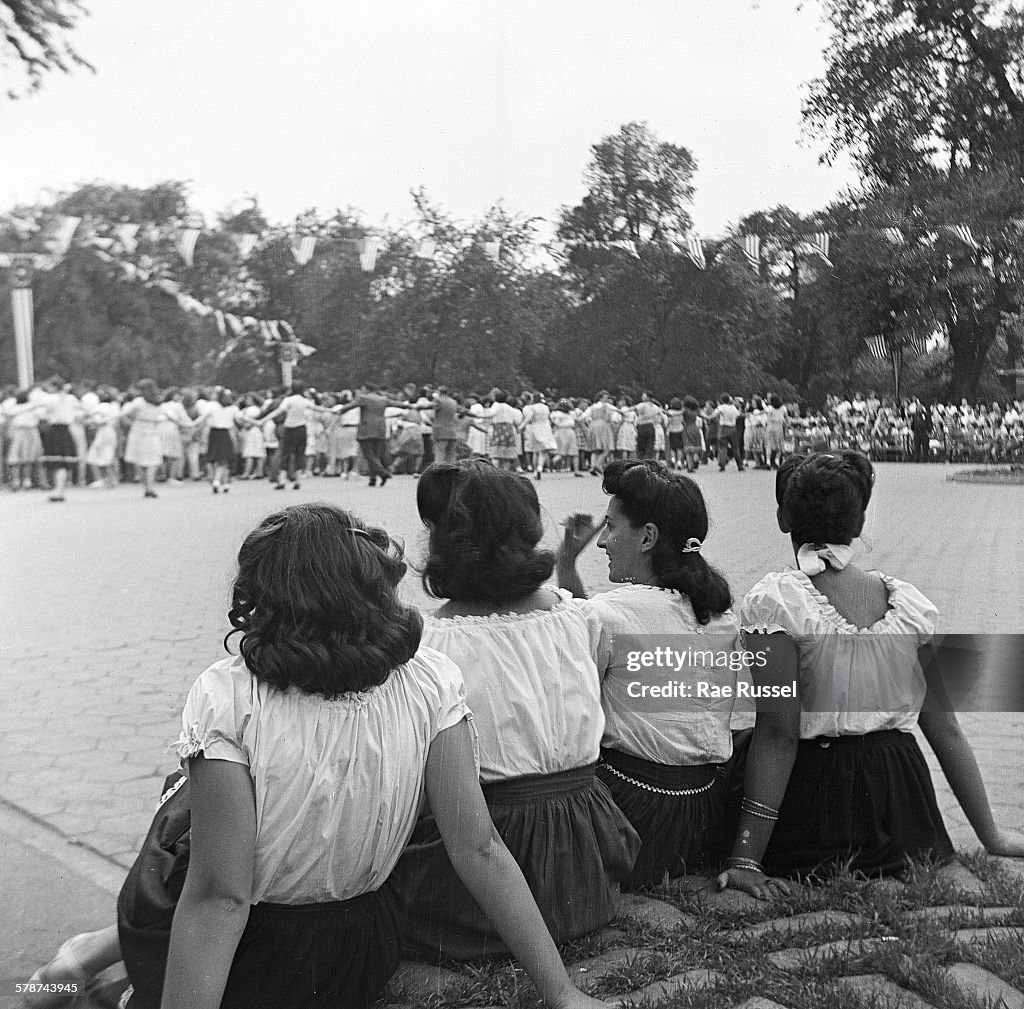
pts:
[852, 680]
[531, 683]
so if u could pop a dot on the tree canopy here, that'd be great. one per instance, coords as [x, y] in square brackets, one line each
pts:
[928, 97]
[34, 42]
[626, 296]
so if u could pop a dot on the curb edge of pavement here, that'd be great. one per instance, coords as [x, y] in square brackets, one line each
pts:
[51, 843]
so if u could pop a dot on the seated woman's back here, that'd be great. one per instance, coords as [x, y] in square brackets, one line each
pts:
[861, 598]
[528, 654]
[531, 682]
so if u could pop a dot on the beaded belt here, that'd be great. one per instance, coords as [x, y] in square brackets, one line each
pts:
[654, 788]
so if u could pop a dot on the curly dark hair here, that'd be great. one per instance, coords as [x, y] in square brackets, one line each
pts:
[824, 495]
[484, 529]
[315, 602]
[648, 491]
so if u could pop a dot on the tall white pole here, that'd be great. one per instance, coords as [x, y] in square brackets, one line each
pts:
[21, 308]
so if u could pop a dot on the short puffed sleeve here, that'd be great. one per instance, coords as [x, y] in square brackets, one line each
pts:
[776, 603]
[215, 714]
[917, 613]
[441, 681]
[599, 637]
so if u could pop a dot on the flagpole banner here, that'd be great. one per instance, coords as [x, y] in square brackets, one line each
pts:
[58, 235]
[695, 250]
[820, 243]
[962, 232]
[302, 249]
[877, 346]
[21, 307]
[368, 256]
[187, 244]
[752, 250]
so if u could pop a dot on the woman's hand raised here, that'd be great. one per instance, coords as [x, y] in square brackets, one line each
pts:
[579, 531]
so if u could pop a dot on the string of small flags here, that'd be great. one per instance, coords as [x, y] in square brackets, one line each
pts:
[269, 329]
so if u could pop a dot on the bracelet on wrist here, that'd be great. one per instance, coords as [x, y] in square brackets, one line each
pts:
[744, 863]
[753, 806]
[759, 810]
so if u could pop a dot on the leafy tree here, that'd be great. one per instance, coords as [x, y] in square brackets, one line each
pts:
[928, 96]
[33, 37]
[462, 317]
[646, 315]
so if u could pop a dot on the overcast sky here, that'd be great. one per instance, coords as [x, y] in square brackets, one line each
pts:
[334, 103]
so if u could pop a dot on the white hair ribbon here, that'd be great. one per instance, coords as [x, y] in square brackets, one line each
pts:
[813, 558]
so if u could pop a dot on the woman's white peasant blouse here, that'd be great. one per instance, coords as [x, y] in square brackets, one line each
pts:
[338, 783]
[852, 680]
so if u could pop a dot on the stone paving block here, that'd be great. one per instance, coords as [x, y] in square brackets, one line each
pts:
[984, 985]
[689, 885]
[25, 761]
[419, 980]
[792, 959]
[653, 913]
[942, 914]
[731, 900]
[661, 989]
[961, 879]
[72, 823]
[889, 886]
[608, 935]
[594, 968]
[794, 923]
[1012, 868]
[984, 934]
[882, 992]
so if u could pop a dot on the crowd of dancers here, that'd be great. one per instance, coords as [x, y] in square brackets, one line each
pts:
[292, 860]
[57, 434]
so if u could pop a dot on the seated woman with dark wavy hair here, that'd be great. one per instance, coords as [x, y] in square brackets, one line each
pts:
[528, 653]
[669, 664]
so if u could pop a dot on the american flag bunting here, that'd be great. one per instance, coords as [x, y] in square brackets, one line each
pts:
[752, 250]
[302, 248]
[187, 244]
[695, 250]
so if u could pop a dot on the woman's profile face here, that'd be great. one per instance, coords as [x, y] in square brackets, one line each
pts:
[621, 542]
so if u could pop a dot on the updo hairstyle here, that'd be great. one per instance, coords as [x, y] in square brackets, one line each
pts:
[484, 529]
[823, 496]
[648, 491]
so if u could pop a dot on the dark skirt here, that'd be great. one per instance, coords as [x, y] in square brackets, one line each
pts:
[302, 956]
[679, 813]
[58, 445]
[569, 838]
[868, 799]
[221, 448]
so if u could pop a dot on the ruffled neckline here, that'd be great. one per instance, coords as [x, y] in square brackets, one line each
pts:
[488, 619]
[643, 585]
[882, 623]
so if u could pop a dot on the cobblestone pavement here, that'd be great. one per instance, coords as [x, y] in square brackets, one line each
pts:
[110, 606]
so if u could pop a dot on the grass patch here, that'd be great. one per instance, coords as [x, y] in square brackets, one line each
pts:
[915, 955]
